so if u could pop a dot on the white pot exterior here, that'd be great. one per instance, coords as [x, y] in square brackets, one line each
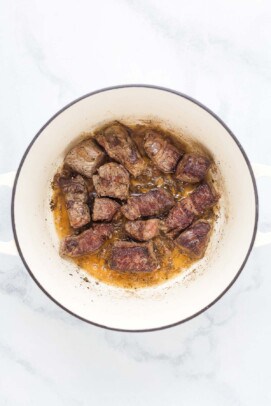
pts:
[150, 308]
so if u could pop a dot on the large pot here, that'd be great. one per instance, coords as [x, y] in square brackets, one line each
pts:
[156, 307]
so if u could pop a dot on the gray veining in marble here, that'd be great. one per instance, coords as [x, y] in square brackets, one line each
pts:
[53, 52]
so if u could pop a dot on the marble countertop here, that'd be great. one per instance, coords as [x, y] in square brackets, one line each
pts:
[217, 52]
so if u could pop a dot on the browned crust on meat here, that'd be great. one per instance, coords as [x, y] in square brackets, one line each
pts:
[142, 230]
[76, 196]
[161, 151]
[152, 203]
[115, 139]
[112, 180]
[104, 209]
[178, 219]
[85, 157]
[194, 240]
[87, 242]
[202, 198]
[192, 168]
[133, 257]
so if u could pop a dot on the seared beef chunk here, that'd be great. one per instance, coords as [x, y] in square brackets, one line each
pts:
[85, 158]
[76, 196]
[116, 141]
[104, 209]
[161, 151]
[87, 242]
[184, 212]
[192, 168]
[193, 241]
[133, 257]
[142, 230]
[178, 219]
[112, 180]
[152, 203]
[202, 198]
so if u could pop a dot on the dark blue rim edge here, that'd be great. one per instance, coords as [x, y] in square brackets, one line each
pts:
[229, 132]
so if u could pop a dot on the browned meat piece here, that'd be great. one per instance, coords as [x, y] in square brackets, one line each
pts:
[202, 198]
[85, 158]
[184, 212]
[142, 230]
[104, 209]
[192, 168]
[178, 219]
[112, 180]
[161, 151]
[133, 257]
[152, 203]
[87, 242]
[76, 196]
[193, 241]
[116, 141]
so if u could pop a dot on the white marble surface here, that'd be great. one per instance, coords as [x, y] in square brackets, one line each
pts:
[52, 52]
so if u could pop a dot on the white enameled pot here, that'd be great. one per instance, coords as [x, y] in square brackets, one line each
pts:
[178, 299]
